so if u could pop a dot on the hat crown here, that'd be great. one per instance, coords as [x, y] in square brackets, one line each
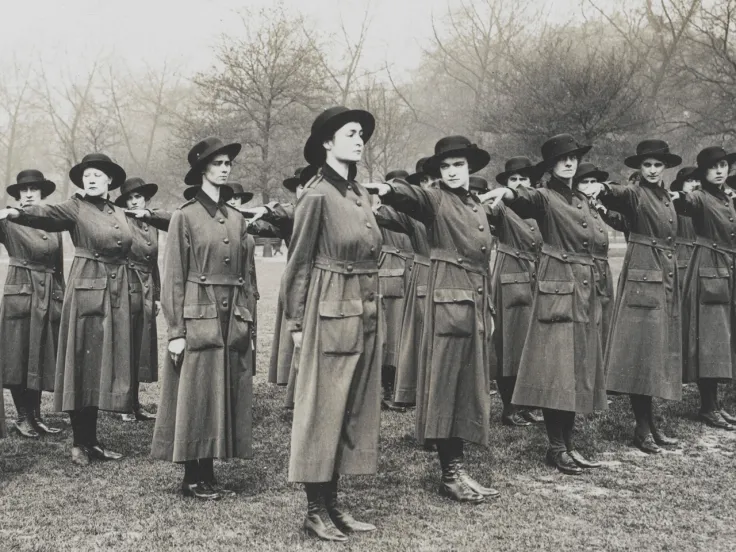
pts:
[559, 145]
[685, 172]
[420, 164]
[29, 175]
[96, 157]
[652, 146]
[399, 173]
[200, 149]
[325, 116]
[710, 155]
[452, 143]
[478, 183]
[517, 163]
[236, 187]
[131, 184]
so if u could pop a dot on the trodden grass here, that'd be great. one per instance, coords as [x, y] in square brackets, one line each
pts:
[680, 500]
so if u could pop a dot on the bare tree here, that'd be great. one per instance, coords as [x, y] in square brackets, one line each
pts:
[14, 123]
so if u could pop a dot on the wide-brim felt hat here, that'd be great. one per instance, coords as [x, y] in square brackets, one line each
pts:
[656, 149]
[711, 155]
[31, 177]
[457, 146]
[226, 192]
[203, 152]
[560, 145]
[399, 173]
[330, 121]
[98, 161]
[589, 170]
[301, 176]
[685, 173]
[238, 191]
[135, 184]
[517, 165]
[478, 183]
[418, 173]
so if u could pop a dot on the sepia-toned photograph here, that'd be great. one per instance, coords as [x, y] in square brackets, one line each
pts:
[372, 275]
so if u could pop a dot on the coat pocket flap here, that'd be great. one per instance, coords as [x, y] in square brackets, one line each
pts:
[453, 296]
[636, 275]
[205, 310]
[90, 283]
[340, 309]
[383, 272]
[557, 287]
[713, 272]
[242, 313]
[18, 289]
[421, 291]
[516, 278]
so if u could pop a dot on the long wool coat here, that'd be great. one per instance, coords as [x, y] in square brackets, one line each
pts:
[206, 404]
[30, 312]
[330, 294]
[685, 244]
[603, 274]
[644, 353]
[513, 281]
[709, 301]
[561, 365]
[394, 266]
[412, 319]
[93, 364]
[453, 379]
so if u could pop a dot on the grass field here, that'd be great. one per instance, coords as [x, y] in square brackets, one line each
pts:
[677, 501]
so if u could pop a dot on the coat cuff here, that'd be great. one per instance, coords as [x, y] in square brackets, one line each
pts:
[177, 333]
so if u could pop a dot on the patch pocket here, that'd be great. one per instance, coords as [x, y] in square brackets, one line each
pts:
[202, 326]
[89, 295]
[341, 327]
[421, 291]
[241, 329]
[714, 286]
[57, 303]
[554, 300]
[391, 282]
[17, 301]
[644, 289]
[136, 297]
[454, 312]
[516, 289]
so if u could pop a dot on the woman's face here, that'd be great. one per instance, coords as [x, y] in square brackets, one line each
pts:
[347, 143]
[135, 201]
[427, 182]
[690, 185]
[516, 180]
[96, 183]
[718, 173]
[565, 167]
[218, 170]
[651, 170]
[299, 190]
[235, 202]
[29, 195]
[455, 172]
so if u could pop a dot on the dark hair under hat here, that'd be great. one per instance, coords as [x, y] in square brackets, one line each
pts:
[656, 149]
[238, 191]
[330, 121]
[560, 145]
[399, 173]
[98, 161]
[589, 170]
[301, 176]
[135, 184]
[203, 152]
[226, 192]
[457, 146]
[418, 173]
[684, 174]
[710, 156]
[31, 177]
[517, 165]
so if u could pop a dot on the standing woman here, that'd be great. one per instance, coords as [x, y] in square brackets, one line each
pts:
[145, 287]
[93, 364]
[31, 307]
[205, 410]
[332, 307]
[561, 365]
[709, 340]
[643, 354]
[687, 181]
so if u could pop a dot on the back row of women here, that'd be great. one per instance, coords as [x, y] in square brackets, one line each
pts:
[541, 322]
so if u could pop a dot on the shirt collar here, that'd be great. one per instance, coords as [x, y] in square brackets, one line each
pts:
[561, 188]
[98, 201]
[331, 176]
[209, 205]
[461, 192]
[658, 188]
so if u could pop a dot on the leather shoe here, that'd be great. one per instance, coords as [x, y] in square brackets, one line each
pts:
[563, 462]
[128, 417]
[24, 427]
[726, 416]
[429, 446]
[40, 425]
[514, 419]
[714, 419]
[80, 456]
[320, 525]
[647, 444]
[99, 452]
[143, 416]
[487, 492]
[459, 491]
[663, 440]
[216, 487]
[392, 406]
[531, 416]
[582, 461]
[348, 524]
[199, 491]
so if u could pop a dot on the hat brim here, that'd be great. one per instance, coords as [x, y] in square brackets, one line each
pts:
[147, 191]
[291, 183]
[670, 160]
[578, 152]
[600, 176]
[46, 186]
[416, 178]
[477, 159]
[314, 152]
[194, 175]
[245, 196]
[110, 168]
[503, 177]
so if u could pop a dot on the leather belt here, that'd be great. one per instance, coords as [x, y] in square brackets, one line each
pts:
[392, 250]
[702, 242]
[140, 267]
[99, 257]
[366, 266]
[215, 279]
[462, 262]
[31, 265]
[517, 253]
[567, 256]
[650, 241]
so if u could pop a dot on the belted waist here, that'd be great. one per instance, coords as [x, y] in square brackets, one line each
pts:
[215, 279]
[392, 250]
[567, 256]
[139, 266]
[599, 256]
[99, 257]
[517, 253]
[649, 241]
[367, 266]
[421, 259]
[703, 242]
[31, 265]
[463, 262]
[685, 241]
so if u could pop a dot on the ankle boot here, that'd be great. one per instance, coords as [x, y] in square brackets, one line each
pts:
[344, 521]
[22, 422]
[453, 485]
[318, 521]
[34, 406]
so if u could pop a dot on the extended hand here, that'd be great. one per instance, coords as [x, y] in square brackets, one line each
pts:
[297, 337]
[254, 213]
[9, 213]
[591, 190]
[498, 195]
[377, 188]
[138, 213]
[157, 307]
[176, 350]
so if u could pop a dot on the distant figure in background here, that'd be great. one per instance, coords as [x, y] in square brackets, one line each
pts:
[30, 312]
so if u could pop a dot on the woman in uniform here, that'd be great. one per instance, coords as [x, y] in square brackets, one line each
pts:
[93, 364]
[31, 307]
[687, 181]
[205, 410]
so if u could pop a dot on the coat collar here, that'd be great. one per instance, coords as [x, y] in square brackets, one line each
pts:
[462, 193]
[658, 189]
[98, 201]
[331, 176]
[209, 205]
[561, 188]
[715, 191]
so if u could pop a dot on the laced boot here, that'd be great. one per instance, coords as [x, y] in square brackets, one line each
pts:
[22, 422]
[318, 522]
[453, 485]
[344, 521]
[34, 406]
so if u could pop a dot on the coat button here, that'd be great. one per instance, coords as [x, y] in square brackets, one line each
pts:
[359, 203]
[480, 290]
[116, 226]
[350, 268]
[25, 263]
[221, 220]
[564, 255]
[226, 240]
[475, 209]
[241, 280]
[669, 255]
[531, 228]
[203, 278]
[368, 225]
[224, 302]
[97, 255]
[715, 245]
[373, 248]
[120, 242]
[579, 205]
[45, 237]
[585, 243]
[671, 274]
[227, 260]
[730, 219]
[585, 225]
[585, 282]
[666, 203]
[460, 260]
[481, 227]
[201, 315]
[42, 283]
[109, 211]
[654, 242]
[517, 253]
[483, 248]
[148, 243]
[557, 291]
[342, 314]
[113, 275]
[644, 278]
[148, 257]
